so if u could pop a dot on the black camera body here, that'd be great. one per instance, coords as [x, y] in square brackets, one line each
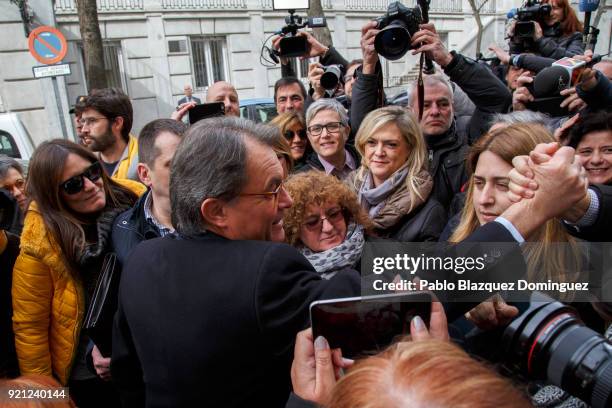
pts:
[292, 45]
[397, 27]
[533, 11]
[549, 342]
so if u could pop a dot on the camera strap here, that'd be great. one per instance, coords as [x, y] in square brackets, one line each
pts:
[421, 87]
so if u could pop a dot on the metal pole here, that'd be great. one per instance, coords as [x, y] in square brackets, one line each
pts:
[60, 111]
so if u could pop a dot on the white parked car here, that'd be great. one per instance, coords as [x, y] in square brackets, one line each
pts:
[15, 141]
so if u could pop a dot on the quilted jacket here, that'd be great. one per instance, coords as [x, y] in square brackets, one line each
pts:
[48, 303]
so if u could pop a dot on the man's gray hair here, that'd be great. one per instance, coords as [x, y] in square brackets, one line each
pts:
[524, 116]
[324, 104]
[7, 163]
[429, 80]
[211, 162]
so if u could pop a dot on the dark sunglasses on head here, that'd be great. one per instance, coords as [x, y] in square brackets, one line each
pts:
[75, 184]
[290, 134]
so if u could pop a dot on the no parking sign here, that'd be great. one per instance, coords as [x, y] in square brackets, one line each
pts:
[47, 45]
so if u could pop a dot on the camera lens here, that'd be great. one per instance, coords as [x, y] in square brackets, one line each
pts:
[549, 342]
[331, 77]
[393, 41]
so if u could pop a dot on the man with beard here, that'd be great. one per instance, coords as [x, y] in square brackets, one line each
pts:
[107, 120]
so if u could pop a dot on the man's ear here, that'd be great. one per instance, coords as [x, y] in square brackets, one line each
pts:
[214, 213]
[144, 174]
[117, 124]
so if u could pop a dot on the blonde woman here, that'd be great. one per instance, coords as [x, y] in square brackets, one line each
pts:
[293, 128]
[393, 183]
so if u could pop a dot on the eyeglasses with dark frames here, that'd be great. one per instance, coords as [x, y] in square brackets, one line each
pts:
[91, 121]
[76, 183]
[332, 215]
[331, 127]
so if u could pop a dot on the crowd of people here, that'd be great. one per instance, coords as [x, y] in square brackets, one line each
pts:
[225, 231]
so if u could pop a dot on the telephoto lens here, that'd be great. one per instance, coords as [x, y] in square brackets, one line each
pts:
[550, 342]
[331, 76]
[397, 27]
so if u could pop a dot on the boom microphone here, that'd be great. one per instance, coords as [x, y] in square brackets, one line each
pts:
[588, 6]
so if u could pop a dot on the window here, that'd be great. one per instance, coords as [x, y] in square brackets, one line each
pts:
[209, 60]
[8, 145]
[114, 67]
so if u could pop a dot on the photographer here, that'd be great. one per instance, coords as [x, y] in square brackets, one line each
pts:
[556, 35]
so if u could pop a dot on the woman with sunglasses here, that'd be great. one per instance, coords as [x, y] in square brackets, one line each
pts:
[65, 237]
[393, 183]
[293, 128]
[326, 223]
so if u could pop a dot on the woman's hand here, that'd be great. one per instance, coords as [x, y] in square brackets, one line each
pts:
[315, 368]
[537, 32]
[438, 326]
[101, 364]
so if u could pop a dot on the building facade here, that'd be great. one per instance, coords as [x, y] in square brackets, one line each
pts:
[152, 48]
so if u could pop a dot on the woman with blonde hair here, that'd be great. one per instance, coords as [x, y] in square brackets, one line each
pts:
[393, 183]
[293, 128]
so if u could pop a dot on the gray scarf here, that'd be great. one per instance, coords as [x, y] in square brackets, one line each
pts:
[373, 198]
[328, 262]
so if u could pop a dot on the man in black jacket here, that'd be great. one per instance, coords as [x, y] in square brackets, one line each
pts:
[150, 216]
[210, 317]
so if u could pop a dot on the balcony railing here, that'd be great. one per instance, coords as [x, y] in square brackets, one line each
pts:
[267, 5]
[69, 6]
[436, 6]
[203, 4]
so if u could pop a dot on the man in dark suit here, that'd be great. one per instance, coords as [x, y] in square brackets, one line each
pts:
[188, 96]
[210, 317]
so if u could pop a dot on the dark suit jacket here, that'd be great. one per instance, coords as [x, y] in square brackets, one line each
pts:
[207, 321]
[184, 100]
[601, 230]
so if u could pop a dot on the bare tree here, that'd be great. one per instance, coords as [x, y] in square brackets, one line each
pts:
[323, 35]
[476, 12]
[92, 44]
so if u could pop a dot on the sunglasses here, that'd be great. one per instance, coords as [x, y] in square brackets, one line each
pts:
[75, 184]
[290, 134]
[333, 216]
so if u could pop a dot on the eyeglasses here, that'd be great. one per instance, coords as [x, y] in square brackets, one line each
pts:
[19, 184]
[351, 76]
[290, 134]
[90, 121]
[331, 127]
[332, 215]
[75, 184]
[266, 194]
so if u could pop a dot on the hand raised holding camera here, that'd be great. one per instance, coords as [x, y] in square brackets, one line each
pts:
[428, 41]
[370, 56]
[315, 71]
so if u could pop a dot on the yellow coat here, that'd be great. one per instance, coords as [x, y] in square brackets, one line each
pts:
[127, 166]
[48, 303]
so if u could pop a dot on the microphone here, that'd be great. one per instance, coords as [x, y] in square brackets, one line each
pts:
[588, 6]
[511, 13]
[562, 74]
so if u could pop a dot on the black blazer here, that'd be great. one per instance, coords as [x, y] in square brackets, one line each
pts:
[208, 321]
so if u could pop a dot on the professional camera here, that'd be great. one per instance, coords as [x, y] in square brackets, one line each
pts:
[550, 342]
[527, 16]
[331, 76]
[397, 27]
[292, 45]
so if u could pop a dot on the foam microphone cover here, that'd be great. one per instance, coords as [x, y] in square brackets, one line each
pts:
[550, 81]
[511, 13]
[588, 5]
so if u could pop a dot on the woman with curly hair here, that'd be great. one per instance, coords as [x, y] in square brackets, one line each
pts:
[325, 223]
[393, 183]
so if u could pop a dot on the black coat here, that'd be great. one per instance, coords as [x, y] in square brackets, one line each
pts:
[601, 230]
[447, 154]
[423, 224]
[209, 321]
[130, 228]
